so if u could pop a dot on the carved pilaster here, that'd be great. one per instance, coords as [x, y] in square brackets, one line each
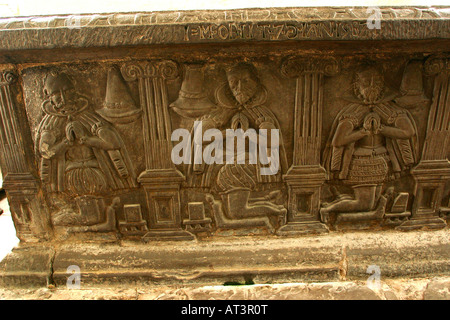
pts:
[161, 180]
[433, 170]
[306, 176]
[27, 205]
[151, 77]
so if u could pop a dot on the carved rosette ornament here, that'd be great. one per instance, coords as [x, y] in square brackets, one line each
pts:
[306, 176]
[161, 180]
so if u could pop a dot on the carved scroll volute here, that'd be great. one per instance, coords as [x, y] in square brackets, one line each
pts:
[437, 65]
[7, 77]
[28, 208]
[294, 67]
[309, 75]
[151, 77]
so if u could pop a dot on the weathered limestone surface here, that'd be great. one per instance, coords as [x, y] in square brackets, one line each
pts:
[118, 151]
[335, 258]
[403, 289]
[209, 26]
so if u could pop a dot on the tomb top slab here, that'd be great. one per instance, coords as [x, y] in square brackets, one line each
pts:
[222, 26]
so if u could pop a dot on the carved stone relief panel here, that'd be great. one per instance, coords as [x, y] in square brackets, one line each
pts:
[372, 141]
[281, 146]
[259, 139]
[82, 144]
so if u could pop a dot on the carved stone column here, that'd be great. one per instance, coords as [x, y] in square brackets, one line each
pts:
[433, 170]
[306, 176]
[27, 204]
[161, 180]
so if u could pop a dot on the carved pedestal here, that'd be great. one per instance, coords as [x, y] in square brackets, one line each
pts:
[162, 189]
[430, 177]
[304, 187]
[25, 203]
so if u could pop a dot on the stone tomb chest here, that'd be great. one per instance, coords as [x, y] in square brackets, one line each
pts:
[206, 146]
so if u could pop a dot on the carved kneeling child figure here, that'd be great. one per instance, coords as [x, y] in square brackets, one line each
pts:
[110, 223]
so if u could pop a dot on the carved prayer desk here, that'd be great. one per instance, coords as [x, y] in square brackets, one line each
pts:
[204, 146]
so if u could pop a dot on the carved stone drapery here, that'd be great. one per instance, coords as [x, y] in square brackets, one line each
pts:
[161, 180]
[306, 175]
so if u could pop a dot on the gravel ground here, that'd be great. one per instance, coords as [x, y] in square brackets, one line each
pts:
[399, 289]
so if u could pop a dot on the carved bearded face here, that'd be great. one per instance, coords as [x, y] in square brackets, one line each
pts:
[243, 84]
[62, 94]
[369, 85]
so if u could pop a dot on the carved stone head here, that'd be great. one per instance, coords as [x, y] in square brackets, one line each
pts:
[243, 81]
[115, 204]
[368, 84]
[60, 92]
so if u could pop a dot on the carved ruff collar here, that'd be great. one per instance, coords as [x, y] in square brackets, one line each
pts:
[225, 98]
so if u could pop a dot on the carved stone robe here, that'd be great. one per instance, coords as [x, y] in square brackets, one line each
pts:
[229, 109]
[114, 166]
[402, 153]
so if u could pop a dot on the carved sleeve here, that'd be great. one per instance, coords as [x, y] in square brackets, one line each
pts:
[402, 129]
[345, 134]
[104, 138]
[48, 147]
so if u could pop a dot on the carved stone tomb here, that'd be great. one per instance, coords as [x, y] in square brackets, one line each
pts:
[210, 146]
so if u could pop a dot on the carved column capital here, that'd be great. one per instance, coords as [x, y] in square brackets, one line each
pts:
[166, 69]
[294, 67]
[437, 64]
[7, 78]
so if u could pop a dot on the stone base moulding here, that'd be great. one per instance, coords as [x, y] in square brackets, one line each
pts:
[323, 133]
[259, 260]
